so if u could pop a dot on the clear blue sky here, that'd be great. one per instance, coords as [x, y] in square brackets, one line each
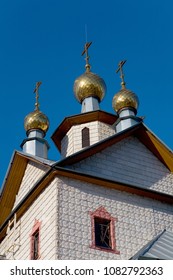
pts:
[42, 40]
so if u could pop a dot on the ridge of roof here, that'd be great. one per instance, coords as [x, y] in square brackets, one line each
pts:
[98, 146]
[26, 156]
[36, 158]
[163, 143]
[13, 177]
[139, 130]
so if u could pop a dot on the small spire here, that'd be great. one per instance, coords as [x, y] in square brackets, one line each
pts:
[87, 66]
[120, 68]
[36, 91]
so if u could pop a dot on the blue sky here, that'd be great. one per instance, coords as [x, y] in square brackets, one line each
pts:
[42, 40]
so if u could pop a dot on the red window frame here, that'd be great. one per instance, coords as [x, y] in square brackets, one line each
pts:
[35, 240]
[102, 214]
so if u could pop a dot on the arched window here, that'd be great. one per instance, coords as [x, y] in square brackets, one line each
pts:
[35, 241]
[103, 231]
[85, 137]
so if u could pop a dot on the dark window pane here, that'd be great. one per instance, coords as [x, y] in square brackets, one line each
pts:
[35, 245]
[85, 137]
[102, 233]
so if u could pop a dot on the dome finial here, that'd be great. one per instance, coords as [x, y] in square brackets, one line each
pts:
[120, 68]
[85, 51]
[125, 98]
[36, 91]
[36, 125]
[89, 88]
[36, 119]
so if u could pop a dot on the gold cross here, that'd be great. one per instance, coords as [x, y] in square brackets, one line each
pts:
[120, 68]
[37, 95]
[87, 45]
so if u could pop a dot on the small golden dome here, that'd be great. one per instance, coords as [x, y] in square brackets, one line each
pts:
[89, 85]
[125, 98]
[36, 120]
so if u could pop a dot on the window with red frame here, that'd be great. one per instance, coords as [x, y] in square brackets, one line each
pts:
[35, 245]
[35, 241]
[103, 231]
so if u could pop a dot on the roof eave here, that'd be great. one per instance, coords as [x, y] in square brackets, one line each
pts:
[43, 182]
[13, 181]
[154, 144]
[68, 122]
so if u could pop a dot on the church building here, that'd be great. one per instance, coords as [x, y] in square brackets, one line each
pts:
[108, 197]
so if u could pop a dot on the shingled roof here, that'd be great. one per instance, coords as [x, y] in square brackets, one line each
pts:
[159, 248]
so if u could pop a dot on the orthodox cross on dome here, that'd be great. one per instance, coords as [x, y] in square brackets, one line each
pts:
[85, 51]
[36, 91]
[120, 68]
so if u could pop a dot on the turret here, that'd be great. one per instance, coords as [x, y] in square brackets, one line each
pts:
[36, 125]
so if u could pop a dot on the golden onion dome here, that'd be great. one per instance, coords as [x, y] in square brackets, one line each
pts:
[125, 98]
[89, 85]
[36, 120]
